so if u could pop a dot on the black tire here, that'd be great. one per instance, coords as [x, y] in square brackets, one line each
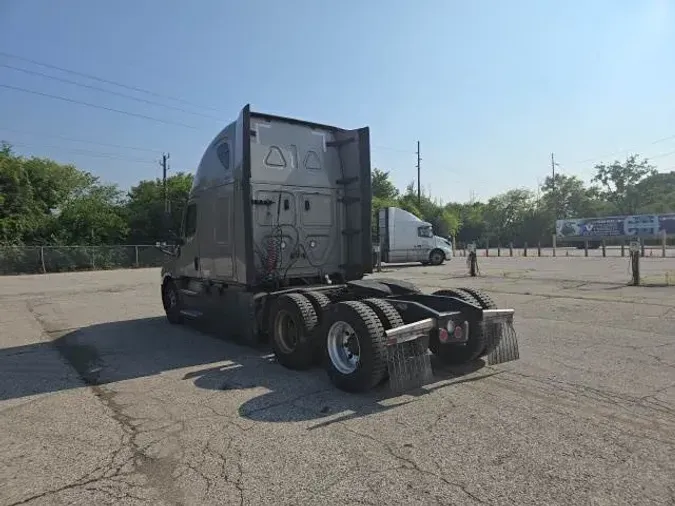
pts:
[486, 302]
[172, 302]
[320, 301]
[436, 257]
[388, 315]
[458, 293]
[483, 298]
[369, 334]
[292, 321]
[459, 353]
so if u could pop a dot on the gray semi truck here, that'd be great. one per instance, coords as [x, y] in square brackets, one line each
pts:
[275, 245]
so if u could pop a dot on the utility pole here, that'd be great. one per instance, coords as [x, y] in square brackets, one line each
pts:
[419, 190]
[165, 168]
[555, 195]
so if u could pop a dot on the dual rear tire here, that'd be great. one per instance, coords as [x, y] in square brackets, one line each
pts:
[348, 336]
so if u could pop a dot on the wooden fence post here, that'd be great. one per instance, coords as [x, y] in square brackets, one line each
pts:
[42, 259]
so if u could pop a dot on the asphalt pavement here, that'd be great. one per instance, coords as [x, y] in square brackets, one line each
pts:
[103, 402]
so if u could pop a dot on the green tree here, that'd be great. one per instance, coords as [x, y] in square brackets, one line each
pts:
[505, 215]
[471, 220]
[568, 197]
[657, 193]
[35, 192]
[383, 187]
[145, 208]
[619, 182]
[95, 216]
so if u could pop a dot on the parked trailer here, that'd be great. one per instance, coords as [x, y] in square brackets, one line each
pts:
[275, 244]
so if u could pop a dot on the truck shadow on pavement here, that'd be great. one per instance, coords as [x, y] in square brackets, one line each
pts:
[104, 354]
[298, 396]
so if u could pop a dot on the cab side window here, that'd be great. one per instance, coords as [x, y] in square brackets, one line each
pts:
[424, 232]
[223, 152]
[190, 223]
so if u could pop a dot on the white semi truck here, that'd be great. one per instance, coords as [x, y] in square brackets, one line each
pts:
[403, 237]
[276, 245]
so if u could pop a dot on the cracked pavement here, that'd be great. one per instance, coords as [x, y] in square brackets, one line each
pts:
[103, 402]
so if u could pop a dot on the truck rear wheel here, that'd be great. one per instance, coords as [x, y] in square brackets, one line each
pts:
[320, 301]
[389, 317]
[459, 353]
[292, 323]
[355, 349]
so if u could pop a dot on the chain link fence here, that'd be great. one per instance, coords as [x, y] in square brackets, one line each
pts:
[44, 259]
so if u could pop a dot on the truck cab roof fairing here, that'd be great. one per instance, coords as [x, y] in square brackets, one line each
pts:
[213, 169]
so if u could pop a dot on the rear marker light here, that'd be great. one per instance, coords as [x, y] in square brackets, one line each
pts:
[458, 332]
[443, 335]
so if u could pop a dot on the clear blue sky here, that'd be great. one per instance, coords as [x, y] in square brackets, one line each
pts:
[490, 88]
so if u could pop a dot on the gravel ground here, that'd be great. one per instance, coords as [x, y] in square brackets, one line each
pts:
[103, 402]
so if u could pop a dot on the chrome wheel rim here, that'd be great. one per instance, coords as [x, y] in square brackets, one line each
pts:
[343, 347]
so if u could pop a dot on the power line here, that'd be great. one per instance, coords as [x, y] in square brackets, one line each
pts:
[614, 153]
[397, 150]
[663, 139]
[73, 101]
[85, 152]
[119, 146]
[108, 81]
[133, 88]
[98, 88]
[661, 155]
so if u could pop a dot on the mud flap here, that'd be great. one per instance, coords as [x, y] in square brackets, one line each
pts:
[408, 359]
[409, 365]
